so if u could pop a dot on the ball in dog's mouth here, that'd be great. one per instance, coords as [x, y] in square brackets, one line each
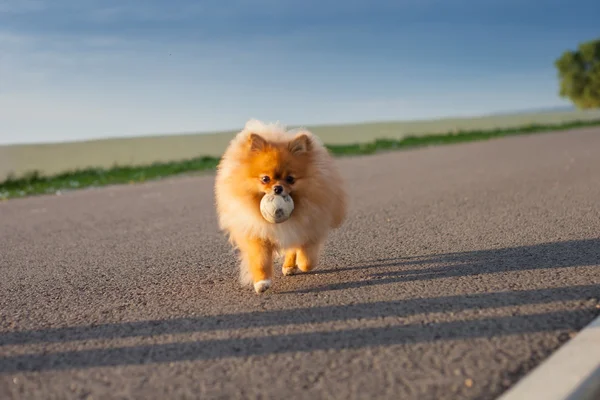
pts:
[276, 208]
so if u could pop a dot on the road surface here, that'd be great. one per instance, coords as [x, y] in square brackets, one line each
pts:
[459, 270]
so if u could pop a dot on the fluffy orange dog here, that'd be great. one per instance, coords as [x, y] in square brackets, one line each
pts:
[265, 158]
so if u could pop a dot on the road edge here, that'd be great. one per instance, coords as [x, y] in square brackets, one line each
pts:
[570, 373]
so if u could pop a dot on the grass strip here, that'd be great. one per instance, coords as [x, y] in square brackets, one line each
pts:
[34, 183]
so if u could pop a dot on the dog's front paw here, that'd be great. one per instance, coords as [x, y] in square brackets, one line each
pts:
[262, 286]
[288, 271]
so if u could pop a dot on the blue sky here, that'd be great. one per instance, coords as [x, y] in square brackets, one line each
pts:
[81, 69]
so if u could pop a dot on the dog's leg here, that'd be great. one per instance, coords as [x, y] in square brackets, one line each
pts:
[257, 256]
[289, 264]
[308, 256]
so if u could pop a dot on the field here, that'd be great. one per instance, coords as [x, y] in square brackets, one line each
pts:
[47, 168]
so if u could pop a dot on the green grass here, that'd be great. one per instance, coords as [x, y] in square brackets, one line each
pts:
[451, 138]
[34, 183]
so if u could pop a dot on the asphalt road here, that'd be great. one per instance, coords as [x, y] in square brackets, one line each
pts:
[459, 269]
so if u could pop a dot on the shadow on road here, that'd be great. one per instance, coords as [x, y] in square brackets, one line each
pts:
[546, 256]
[303, 342]
[543, 256]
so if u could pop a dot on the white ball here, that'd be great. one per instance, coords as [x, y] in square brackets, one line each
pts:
[276, 208]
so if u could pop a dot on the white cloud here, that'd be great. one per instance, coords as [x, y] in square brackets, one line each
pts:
[81, 85]
[21, 6]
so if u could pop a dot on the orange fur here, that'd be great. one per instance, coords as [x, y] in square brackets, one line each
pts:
[299, 163]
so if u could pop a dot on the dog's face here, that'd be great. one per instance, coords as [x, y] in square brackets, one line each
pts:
[277, 168]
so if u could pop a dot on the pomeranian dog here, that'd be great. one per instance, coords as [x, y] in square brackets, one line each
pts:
[268, 159]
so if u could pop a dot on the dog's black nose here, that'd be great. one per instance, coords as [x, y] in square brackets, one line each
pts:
[278, 189]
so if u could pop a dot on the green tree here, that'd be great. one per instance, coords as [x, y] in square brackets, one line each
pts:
[579, 75]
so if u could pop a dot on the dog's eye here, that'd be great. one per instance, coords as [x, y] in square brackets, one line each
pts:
[265, 179]
[290, 179]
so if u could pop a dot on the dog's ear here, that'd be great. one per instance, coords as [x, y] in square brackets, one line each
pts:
[256, 142]
[300, 144]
